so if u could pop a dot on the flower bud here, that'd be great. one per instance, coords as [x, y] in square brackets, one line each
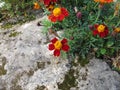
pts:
[79, 15]
[91, 27]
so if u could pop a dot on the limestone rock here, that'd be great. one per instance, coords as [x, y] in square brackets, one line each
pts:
[27, 64]
[97, 75]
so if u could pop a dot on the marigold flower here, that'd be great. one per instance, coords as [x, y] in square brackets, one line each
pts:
[36, 5]
[104, 1]
[58, 45]
[117, 30]
[100, 30]
[58, 14]
[47, 2]
[50, 7]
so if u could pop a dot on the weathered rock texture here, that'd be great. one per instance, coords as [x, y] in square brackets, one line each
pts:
[27, 64]
[97, 75]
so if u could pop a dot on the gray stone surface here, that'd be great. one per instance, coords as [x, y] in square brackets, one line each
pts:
[28, 60]
[27, 64]
[97, 75]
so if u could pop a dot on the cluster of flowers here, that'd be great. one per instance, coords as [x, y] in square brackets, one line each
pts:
[102, 29]
[58, 14]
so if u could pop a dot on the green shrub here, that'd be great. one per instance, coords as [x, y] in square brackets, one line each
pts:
[79, 33]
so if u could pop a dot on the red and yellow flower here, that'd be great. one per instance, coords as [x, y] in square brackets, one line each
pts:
[101, 30]
[58, 14]
[58, 45]
[104, 1]
[47, 2]
[36, 5]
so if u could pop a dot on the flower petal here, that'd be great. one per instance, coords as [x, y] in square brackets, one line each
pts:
[51, 47]
[102, 35]
[64, 41]
[65, 48]
[57, 52]
[64, 12]
[52, 18]
[106, 32]
[96, 26]
[95, 32]
[53, 0]
[47, 2]
[60, 17]
[54, 40]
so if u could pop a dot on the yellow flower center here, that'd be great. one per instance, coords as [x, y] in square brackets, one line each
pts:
[56, 11]
[58, 44]
[101, 28]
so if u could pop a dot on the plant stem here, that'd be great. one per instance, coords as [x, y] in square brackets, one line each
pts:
[111, 18]
[76, 2]
[99, 11]
[118, 24]
[96, 5]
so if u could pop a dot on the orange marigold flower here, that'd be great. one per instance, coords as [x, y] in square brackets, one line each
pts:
[36, 5]
[58, 45]
[104, 1]
[58, 14]
[101, 30]
[117, 30]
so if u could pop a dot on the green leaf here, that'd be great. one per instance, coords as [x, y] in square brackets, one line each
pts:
[109, 43]
[102, 51]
